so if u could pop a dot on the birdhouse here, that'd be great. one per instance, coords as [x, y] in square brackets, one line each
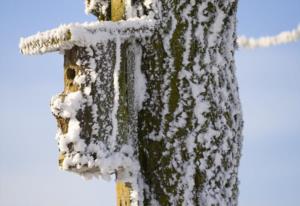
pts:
[97, 111]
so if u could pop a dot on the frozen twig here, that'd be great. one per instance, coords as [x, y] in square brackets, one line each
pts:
[282, 38]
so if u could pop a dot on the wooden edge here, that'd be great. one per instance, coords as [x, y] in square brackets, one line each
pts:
[117, 10]
[42, 43]
[123, 193]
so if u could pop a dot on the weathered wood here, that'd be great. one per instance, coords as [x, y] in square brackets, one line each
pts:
[124, 189]
[123, 194]
[41, 43]
[117, 10]
[99, 82]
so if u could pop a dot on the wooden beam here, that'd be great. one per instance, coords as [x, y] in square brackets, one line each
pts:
[117, 10]
[123, 193]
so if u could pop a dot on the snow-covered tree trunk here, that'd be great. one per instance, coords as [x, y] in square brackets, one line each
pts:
[189, 127]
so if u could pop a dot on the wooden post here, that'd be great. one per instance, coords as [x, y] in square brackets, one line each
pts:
[123, 194]
[123, 189]
[117, 9]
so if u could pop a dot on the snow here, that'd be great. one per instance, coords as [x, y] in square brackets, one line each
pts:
[201, 18]
[282, 38]
[104, 154]
[139, 79]
[216, 27]
[94, 5]
[66, 36]
[188, 34]
[116, 92]
[69, 107]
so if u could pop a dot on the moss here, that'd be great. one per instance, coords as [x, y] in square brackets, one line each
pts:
[68, 35]
[123, 110]
[228, 119]
[177, 51]
[211, 8]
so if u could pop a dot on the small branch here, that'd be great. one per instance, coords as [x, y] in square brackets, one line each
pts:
[282, 38]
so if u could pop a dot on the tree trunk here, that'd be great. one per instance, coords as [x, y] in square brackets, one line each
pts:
[189, 128]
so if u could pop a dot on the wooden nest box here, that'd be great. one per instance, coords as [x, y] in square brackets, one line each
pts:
[96, 112]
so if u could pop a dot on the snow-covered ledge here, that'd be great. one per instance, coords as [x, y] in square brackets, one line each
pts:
[66, 36]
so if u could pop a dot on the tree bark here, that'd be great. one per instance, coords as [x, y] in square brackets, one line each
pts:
[189, 128]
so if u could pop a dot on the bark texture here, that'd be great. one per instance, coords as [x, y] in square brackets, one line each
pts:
[189, 128]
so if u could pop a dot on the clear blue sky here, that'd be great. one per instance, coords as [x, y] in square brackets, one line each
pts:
[269, 87]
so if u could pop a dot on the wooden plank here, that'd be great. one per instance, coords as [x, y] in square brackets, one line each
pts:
[123, 193]
[117, 10]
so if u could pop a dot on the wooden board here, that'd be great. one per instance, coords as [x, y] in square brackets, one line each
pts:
[117, 9]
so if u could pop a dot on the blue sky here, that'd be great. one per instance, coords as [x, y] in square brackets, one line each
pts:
[269, 82]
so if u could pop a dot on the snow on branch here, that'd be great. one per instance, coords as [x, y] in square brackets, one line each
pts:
[282, 38]
[97, 7]
[66, 36]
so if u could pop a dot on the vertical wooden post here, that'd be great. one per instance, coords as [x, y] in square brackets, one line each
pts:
[117, 9]
[123, 194]
[123, 189]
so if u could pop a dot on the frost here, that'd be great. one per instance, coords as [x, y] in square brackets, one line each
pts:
[103, 154]
[216, 27]
[68, 108]
[92, 6]
[202, 19]
[116, 93]
[66, 36]
[134, 198]
[139, 79]
[147, 3]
